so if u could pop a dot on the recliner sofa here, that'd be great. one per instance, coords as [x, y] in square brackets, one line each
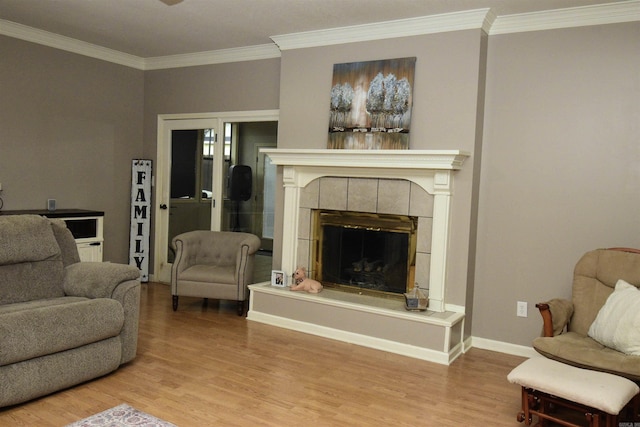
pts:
[62, 321]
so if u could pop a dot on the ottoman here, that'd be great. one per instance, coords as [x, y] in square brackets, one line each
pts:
[545, 382]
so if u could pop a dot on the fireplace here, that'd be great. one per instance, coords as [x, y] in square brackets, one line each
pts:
[416, 172]
[376, 187]
[367, 253]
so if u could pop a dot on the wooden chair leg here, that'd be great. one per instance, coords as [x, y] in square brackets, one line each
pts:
[611, 421]
[525, 415]
[175, 302]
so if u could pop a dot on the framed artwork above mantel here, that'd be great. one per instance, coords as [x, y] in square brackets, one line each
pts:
[371, 104]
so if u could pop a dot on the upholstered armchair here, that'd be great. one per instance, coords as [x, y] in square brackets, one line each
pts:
[62, 322]
[598, 328]
[213, 264]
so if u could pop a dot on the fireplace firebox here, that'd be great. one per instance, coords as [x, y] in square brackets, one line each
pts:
[365, 252]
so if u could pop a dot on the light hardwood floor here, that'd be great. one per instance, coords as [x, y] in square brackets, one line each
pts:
[206, 366]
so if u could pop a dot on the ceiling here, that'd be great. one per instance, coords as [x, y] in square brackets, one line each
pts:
[157, 28]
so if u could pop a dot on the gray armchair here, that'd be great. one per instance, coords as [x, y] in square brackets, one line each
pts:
[62, 321]
[213, 264]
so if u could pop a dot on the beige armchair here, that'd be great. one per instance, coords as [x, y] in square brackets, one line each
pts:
[566, 331]
[213, 264]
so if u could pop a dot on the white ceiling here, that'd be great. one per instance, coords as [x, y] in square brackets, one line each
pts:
[151, 28]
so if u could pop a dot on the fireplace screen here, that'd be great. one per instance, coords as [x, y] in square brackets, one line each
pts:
[365, 252]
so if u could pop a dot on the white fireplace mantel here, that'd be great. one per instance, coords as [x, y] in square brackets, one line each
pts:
[430, 169]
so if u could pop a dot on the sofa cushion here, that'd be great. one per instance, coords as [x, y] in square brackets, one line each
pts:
[595, 276]
[31, 281]
[617, 324]
[584, 352]
[30, 261]
[32, 305]
[41, 329]
[209, 273]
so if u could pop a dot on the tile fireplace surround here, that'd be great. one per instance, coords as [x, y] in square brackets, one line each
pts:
[419, 182]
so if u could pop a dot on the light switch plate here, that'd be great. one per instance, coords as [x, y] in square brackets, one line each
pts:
[521, 309]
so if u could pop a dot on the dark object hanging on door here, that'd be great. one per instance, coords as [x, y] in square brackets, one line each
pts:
[239, 183]
[239, 189]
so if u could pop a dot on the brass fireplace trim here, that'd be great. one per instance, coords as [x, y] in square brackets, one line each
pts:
[368, 221]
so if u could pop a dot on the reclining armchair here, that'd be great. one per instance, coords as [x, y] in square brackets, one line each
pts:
[597, 329]
[213, 264]
[62, 321]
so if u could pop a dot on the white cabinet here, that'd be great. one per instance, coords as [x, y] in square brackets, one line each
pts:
[88, 231]
[90, 251]
[86, 226]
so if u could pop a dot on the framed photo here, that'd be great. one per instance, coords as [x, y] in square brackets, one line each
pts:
[278, 278]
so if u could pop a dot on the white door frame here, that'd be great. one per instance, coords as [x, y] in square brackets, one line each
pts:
[166, 124]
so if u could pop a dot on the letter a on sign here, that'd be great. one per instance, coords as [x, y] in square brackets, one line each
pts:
[140, 216]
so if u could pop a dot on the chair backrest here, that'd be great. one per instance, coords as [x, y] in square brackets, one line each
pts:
[31, 265]
[66, 241]
[594, 278]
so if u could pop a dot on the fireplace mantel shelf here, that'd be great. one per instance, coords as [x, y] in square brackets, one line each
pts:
[394, 159]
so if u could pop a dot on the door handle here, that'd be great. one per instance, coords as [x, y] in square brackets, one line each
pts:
[163, 206]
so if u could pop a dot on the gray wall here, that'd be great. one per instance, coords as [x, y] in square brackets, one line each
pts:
[555, 155]
[555, 171]
[241, 86]
[561, 166]
[69, 127]
[444, 116]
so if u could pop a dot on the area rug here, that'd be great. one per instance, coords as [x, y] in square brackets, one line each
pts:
[121, 416]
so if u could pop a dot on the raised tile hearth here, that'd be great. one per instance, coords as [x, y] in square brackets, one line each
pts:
[379, 323]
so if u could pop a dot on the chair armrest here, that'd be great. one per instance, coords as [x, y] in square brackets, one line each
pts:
[249, 245]
[556, 314]
[97, 279]
[547, 321]
[120, 282]
[186, 247]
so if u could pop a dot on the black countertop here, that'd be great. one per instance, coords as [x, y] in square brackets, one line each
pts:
[58, 213]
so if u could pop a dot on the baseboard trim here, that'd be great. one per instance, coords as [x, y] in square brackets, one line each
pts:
[502, 347]
[394, 347]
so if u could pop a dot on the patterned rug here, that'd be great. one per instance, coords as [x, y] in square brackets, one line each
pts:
[121, 416]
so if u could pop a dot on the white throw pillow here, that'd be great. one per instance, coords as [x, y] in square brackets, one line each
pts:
[618, 322]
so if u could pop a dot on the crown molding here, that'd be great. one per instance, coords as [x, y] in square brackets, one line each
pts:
[466, 20]
[484, 19]
[248, 53]
[599, 14]
[69, 44]
[34, 35]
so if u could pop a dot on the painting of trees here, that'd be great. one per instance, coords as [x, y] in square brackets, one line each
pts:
[371, 104]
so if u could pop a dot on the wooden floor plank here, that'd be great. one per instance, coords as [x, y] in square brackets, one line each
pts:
[206, 366]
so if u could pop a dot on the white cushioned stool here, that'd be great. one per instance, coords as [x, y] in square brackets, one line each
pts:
[545, 382]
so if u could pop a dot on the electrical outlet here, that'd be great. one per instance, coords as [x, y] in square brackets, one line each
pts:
[521, 309]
